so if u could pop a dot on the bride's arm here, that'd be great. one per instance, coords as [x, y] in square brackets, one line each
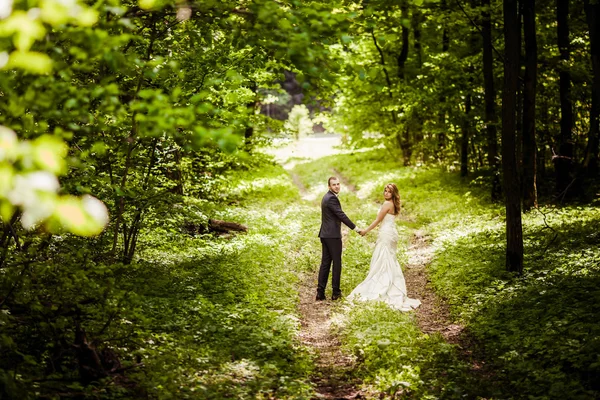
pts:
[385, 208]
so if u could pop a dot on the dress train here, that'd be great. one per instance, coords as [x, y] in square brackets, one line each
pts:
[385, 281]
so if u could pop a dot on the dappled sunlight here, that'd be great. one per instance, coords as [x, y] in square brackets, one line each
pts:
[290, 152]
[471, 227]
[261, 184]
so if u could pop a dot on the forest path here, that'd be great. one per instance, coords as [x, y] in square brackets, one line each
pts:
[334, 376]
[433, 315]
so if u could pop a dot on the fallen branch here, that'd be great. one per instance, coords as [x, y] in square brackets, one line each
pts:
[225, 226]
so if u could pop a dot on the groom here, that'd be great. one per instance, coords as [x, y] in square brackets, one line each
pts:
[332, 217]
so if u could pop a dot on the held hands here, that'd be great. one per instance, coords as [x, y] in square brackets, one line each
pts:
[361, 232]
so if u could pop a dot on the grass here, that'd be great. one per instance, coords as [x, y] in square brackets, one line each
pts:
[395, 357]
[538, 332]
[218, 314]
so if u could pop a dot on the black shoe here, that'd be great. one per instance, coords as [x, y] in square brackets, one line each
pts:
[336, 297]
[320, 297]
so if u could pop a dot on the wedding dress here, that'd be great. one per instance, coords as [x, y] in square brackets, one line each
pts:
[385, 281]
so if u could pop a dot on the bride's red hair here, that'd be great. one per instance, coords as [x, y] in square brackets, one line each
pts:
[395, 197]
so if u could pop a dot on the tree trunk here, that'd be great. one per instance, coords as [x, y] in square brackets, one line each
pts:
[490, 100]
[251, 106]
[529, 97]
[514, 230]
[563, 162]
[590, 163]
[543, 134]
[404, 139]
[406, 146]
[132, 142]
[403, 56]
[464, 141]
[177, 172]
[441, 136]
[417, 17]
[226, 226]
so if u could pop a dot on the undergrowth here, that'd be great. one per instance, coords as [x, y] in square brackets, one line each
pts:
[220, 317]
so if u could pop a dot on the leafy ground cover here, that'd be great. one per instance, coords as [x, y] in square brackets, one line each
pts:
[212, 317]
[538, 333]
[222, 311]
[195, 315]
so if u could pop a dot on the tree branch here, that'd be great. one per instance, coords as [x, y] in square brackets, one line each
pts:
[478, 29]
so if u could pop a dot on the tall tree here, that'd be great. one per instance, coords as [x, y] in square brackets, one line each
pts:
[563, 161]
[404, 138]
[441, 136]
[466, 128]
[417, 18]
[529, 101]
[514, 230]
[490, 99]
[403, 55]
[464, 139]
[590, 163]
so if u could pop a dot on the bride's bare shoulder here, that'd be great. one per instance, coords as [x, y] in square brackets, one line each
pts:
[387, 204]
[388, 207]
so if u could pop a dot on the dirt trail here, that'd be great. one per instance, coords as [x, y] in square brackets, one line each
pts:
[333, 376]
[433, 315]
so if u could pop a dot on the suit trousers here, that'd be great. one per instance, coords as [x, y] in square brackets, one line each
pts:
[331, 253]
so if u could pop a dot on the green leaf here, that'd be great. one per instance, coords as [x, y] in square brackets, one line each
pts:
[85, 217]
[49, 154]
[26, 30]
[285, 24]
[31, 61]
[7, 210]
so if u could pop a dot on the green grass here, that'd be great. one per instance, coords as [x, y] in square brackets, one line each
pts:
[394, 356]
[218, 315]
[538, 332]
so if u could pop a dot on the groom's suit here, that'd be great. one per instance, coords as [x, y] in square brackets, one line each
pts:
[330, 233]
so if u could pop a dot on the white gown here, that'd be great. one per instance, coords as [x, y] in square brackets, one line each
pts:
[385, 281]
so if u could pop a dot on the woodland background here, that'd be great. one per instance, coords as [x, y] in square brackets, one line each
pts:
[130, 129]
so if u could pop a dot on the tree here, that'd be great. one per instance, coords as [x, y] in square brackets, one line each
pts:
[514, 234]
[590, 163]
[490, 99]
[529, 104]
[563, 161]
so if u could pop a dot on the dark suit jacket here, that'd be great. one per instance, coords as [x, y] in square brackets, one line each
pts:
[332, 217]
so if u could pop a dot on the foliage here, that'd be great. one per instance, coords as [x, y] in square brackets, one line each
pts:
[396, 358]
[411, 79]
[540, 328]
[299, 123]
[149, 107]
[195, 315]
[28, 169]
[110, 285]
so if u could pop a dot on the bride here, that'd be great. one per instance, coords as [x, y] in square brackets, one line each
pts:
[385, 281]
